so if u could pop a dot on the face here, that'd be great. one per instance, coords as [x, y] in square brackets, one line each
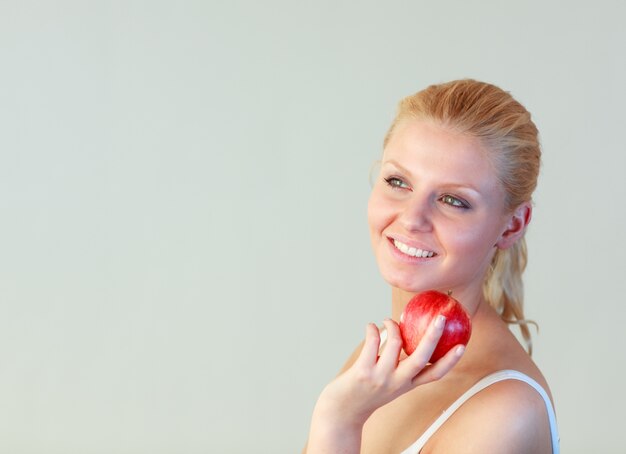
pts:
[436, 210]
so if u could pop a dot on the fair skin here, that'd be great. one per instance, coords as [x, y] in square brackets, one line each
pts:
[436, 217]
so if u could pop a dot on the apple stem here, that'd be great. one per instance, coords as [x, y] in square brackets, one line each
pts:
[449, 292]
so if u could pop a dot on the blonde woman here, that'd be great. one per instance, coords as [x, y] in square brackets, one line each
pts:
[448, 211]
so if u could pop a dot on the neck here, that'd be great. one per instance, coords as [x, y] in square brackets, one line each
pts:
[471, 299]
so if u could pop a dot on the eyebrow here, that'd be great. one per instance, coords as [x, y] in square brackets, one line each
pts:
[449, 185]
[396, 164]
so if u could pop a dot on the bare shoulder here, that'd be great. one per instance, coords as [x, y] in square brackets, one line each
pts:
[507, 417]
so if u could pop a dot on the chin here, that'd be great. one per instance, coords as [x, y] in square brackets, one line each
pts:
[408, 283]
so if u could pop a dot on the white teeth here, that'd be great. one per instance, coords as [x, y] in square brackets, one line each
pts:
[414, 252]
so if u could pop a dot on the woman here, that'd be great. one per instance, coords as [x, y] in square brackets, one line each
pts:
[448, 212]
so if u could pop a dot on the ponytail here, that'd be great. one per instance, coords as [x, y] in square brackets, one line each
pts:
[504, 290]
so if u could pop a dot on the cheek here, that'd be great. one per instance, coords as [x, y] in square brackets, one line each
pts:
[475, 242]
[372, 211]
[378, 212]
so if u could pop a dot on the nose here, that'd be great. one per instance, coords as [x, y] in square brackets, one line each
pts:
[417, 215]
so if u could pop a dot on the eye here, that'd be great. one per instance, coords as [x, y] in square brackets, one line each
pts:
[454, 201]
[396, 183]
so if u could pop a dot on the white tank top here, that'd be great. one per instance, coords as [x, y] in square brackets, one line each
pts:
[501, 375]
[482, 384]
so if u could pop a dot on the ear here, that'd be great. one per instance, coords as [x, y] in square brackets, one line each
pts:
[516, 226]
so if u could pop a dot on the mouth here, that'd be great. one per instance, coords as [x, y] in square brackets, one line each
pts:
[412, 251]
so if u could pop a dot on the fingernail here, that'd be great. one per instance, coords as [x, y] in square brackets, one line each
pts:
[441, 321]
[460, 350]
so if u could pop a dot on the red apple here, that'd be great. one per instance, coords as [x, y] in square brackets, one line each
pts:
[421, 311]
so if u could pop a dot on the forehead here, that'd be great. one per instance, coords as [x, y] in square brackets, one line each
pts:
[429, 149]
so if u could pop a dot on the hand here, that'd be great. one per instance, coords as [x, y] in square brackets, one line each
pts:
[372, 381]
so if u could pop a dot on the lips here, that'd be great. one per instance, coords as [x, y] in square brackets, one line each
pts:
[412, 251]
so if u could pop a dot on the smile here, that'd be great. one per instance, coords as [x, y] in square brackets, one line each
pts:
[413, 252]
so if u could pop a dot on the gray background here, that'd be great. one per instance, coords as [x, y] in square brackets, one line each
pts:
[184, 255]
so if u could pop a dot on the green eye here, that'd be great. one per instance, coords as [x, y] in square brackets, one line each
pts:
[454, 201]
[396, 183]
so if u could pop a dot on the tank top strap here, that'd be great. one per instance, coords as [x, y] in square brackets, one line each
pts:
[482, 384]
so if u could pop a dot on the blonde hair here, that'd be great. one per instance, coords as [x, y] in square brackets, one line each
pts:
[489, 113]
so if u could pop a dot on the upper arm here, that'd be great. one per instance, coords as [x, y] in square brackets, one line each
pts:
[349, 362]
[507, 417]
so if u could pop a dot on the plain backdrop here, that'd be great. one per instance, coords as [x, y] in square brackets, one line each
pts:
[184, 253]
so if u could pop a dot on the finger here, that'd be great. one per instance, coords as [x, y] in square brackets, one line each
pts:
[369, 352]
[441, 367]
[414, 364]
[391, 352]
